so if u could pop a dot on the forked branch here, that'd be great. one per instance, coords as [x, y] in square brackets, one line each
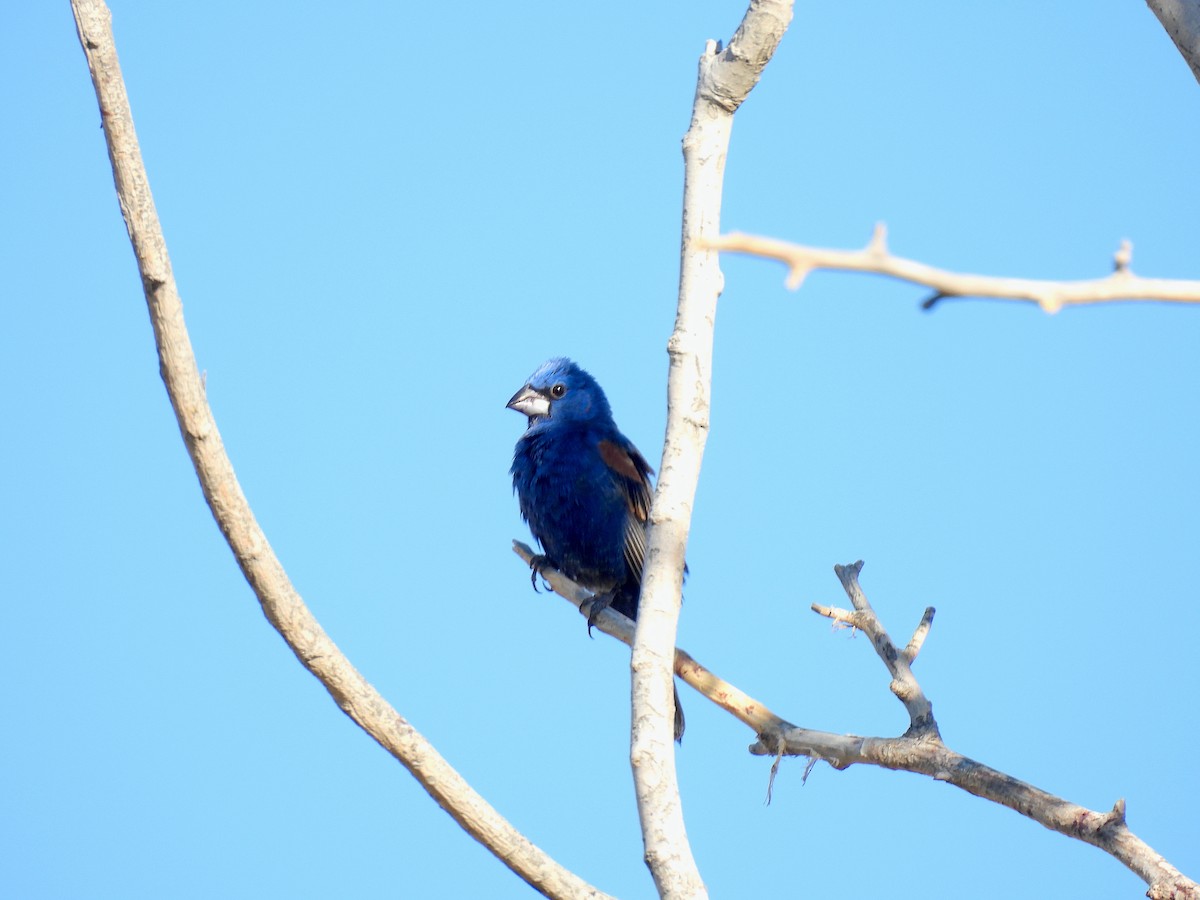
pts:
[919, 750]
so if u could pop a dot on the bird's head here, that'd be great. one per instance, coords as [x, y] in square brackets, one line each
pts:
[560, 391]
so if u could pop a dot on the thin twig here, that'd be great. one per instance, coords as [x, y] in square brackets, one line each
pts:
[280, 602]
[904, 683]
[874, 258]
[917, 641]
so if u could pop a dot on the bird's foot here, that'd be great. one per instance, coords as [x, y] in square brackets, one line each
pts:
[597, 605]
[537, 562]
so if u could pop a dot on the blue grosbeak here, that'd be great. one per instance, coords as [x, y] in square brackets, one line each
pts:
[583, 488]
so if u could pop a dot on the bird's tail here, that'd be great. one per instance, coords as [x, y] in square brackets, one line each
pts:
[679, 722]
[625, 601]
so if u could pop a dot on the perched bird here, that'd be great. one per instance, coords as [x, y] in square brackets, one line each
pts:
[583, 488]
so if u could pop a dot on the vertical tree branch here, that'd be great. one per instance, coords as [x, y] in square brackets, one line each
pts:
[280, 602]
[724, 81]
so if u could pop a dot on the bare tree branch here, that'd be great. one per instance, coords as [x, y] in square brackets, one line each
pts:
[1181, 19]
[904, 684]
[875, 259]
[920, 750]
[724, 81]
[280, 602]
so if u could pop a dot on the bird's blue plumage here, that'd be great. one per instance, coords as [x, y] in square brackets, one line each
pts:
[583, 487]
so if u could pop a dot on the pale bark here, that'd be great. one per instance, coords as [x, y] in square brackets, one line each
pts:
[280, 602]
[724, 81]
[875, 259]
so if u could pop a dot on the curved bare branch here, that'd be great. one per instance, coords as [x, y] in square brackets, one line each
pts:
[280, 602]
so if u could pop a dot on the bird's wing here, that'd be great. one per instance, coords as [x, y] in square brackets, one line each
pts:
[633, 476]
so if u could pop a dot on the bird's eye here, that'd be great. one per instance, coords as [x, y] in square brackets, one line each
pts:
[558, 390]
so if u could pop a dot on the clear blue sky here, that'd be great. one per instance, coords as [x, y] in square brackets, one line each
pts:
[382, 217]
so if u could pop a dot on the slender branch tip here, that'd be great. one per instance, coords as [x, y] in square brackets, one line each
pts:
[878, 242]
[796, 276]
[1123, 258]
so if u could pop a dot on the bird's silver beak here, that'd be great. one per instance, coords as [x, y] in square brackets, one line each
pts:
[531, 402]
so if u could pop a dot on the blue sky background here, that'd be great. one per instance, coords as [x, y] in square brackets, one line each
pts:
[382, 217]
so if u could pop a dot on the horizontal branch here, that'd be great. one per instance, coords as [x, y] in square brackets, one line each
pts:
[929, 756]
[920, 750]
[875, 259]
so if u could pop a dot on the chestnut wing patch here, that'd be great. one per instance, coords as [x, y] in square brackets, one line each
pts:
[634, 476]
[621, 461]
